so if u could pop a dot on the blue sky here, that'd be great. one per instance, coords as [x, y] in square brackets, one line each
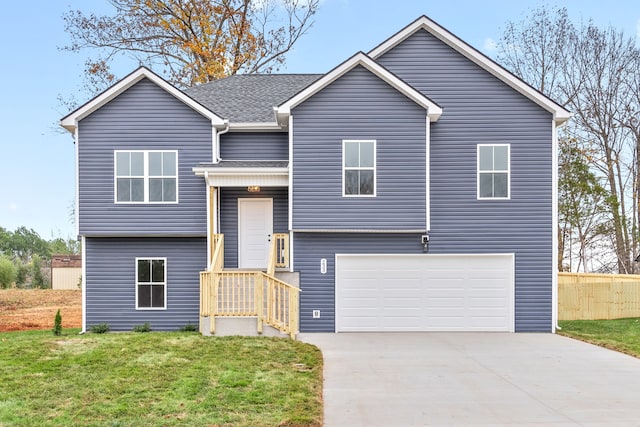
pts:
[37, 161]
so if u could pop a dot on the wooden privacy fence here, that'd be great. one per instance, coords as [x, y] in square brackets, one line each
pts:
[587, 296]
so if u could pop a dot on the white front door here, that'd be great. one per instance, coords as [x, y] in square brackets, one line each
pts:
[255, 227]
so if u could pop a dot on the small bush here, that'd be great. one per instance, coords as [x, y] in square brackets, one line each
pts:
[57, 324]
[7, 273]
[145, 327]
[100, 328]
[189, 327]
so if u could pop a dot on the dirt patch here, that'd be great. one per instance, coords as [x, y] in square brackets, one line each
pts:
[25, 309]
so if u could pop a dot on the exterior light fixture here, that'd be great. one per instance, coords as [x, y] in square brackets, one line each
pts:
[253, 189]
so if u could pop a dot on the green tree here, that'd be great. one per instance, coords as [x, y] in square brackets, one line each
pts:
[25, 243]
[64, 246]
[5, 242]
[7, 272]
[581, 204]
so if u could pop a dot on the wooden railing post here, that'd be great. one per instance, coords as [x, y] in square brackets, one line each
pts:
[213, 289]
[259, 284]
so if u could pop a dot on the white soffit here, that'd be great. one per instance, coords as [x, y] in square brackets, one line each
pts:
[560, 114]
[241, 177]
[283, 111]
[70, 121]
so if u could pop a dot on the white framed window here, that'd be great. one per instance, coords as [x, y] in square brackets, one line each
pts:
[151, 283]
[146, 176]
[359, 168]
[494, 171]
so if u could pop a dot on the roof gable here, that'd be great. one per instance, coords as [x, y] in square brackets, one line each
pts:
[284, 110]
[560, 114]
[70, 122]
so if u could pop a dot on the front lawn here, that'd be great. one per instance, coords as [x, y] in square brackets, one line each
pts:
[620, 334]
[157, 379]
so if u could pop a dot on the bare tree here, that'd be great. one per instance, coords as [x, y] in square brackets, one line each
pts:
[604, 63]
[538, 50]
[593, 72]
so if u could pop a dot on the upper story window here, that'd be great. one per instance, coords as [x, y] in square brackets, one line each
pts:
[359, 168]
[146, 176]
[151, 283]
[494, 171]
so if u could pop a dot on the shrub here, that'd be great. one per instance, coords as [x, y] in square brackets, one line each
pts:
[7, 273]
[145, 327]
[22, 271]
[100, 328]
[57, 324]
[189, 327]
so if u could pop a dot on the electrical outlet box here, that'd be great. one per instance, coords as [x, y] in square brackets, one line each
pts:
[316, 314]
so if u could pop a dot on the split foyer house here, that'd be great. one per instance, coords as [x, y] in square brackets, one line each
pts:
[410, 188]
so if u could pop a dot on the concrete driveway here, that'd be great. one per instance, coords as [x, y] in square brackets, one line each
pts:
[416, 379]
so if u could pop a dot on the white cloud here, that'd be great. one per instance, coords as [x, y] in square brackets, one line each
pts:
[490, 45]
[13, 207]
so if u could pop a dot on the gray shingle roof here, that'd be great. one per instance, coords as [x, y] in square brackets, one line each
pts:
[250, 97]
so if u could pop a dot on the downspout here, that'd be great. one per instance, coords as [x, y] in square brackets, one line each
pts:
[217, 158]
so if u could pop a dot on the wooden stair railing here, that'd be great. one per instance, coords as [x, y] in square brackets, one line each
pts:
[251, 293]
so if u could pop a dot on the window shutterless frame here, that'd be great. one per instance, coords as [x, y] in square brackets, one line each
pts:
[145, 176]
[151, 283]
[359, 168]
[493, 172]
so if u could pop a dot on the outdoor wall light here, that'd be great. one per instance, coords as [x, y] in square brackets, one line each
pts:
[424, 240]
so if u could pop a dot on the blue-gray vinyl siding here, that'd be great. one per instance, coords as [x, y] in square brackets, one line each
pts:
[318, 290]
[229, 216]
[145, 117]
[479, 108]
[111, 280]
[254, 146]
[359, 106]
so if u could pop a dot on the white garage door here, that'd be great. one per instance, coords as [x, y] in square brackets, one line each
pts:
[424, 292]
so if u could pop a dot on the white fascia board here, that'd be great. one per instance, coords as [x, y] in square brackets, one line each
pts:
[284, 110]
[201, 170]
[70, 121]
[560, 114]
[254, 127]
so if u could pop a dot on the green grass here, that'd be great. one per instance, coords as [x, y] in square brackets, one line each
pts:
[620, 334]
[157, 379]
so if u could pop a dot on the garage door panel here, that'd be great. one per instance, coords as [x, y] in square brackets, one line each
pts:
[424, 292]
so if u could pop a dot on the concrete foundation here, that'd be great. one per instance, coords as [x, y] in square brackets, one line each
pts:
[238, 326]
